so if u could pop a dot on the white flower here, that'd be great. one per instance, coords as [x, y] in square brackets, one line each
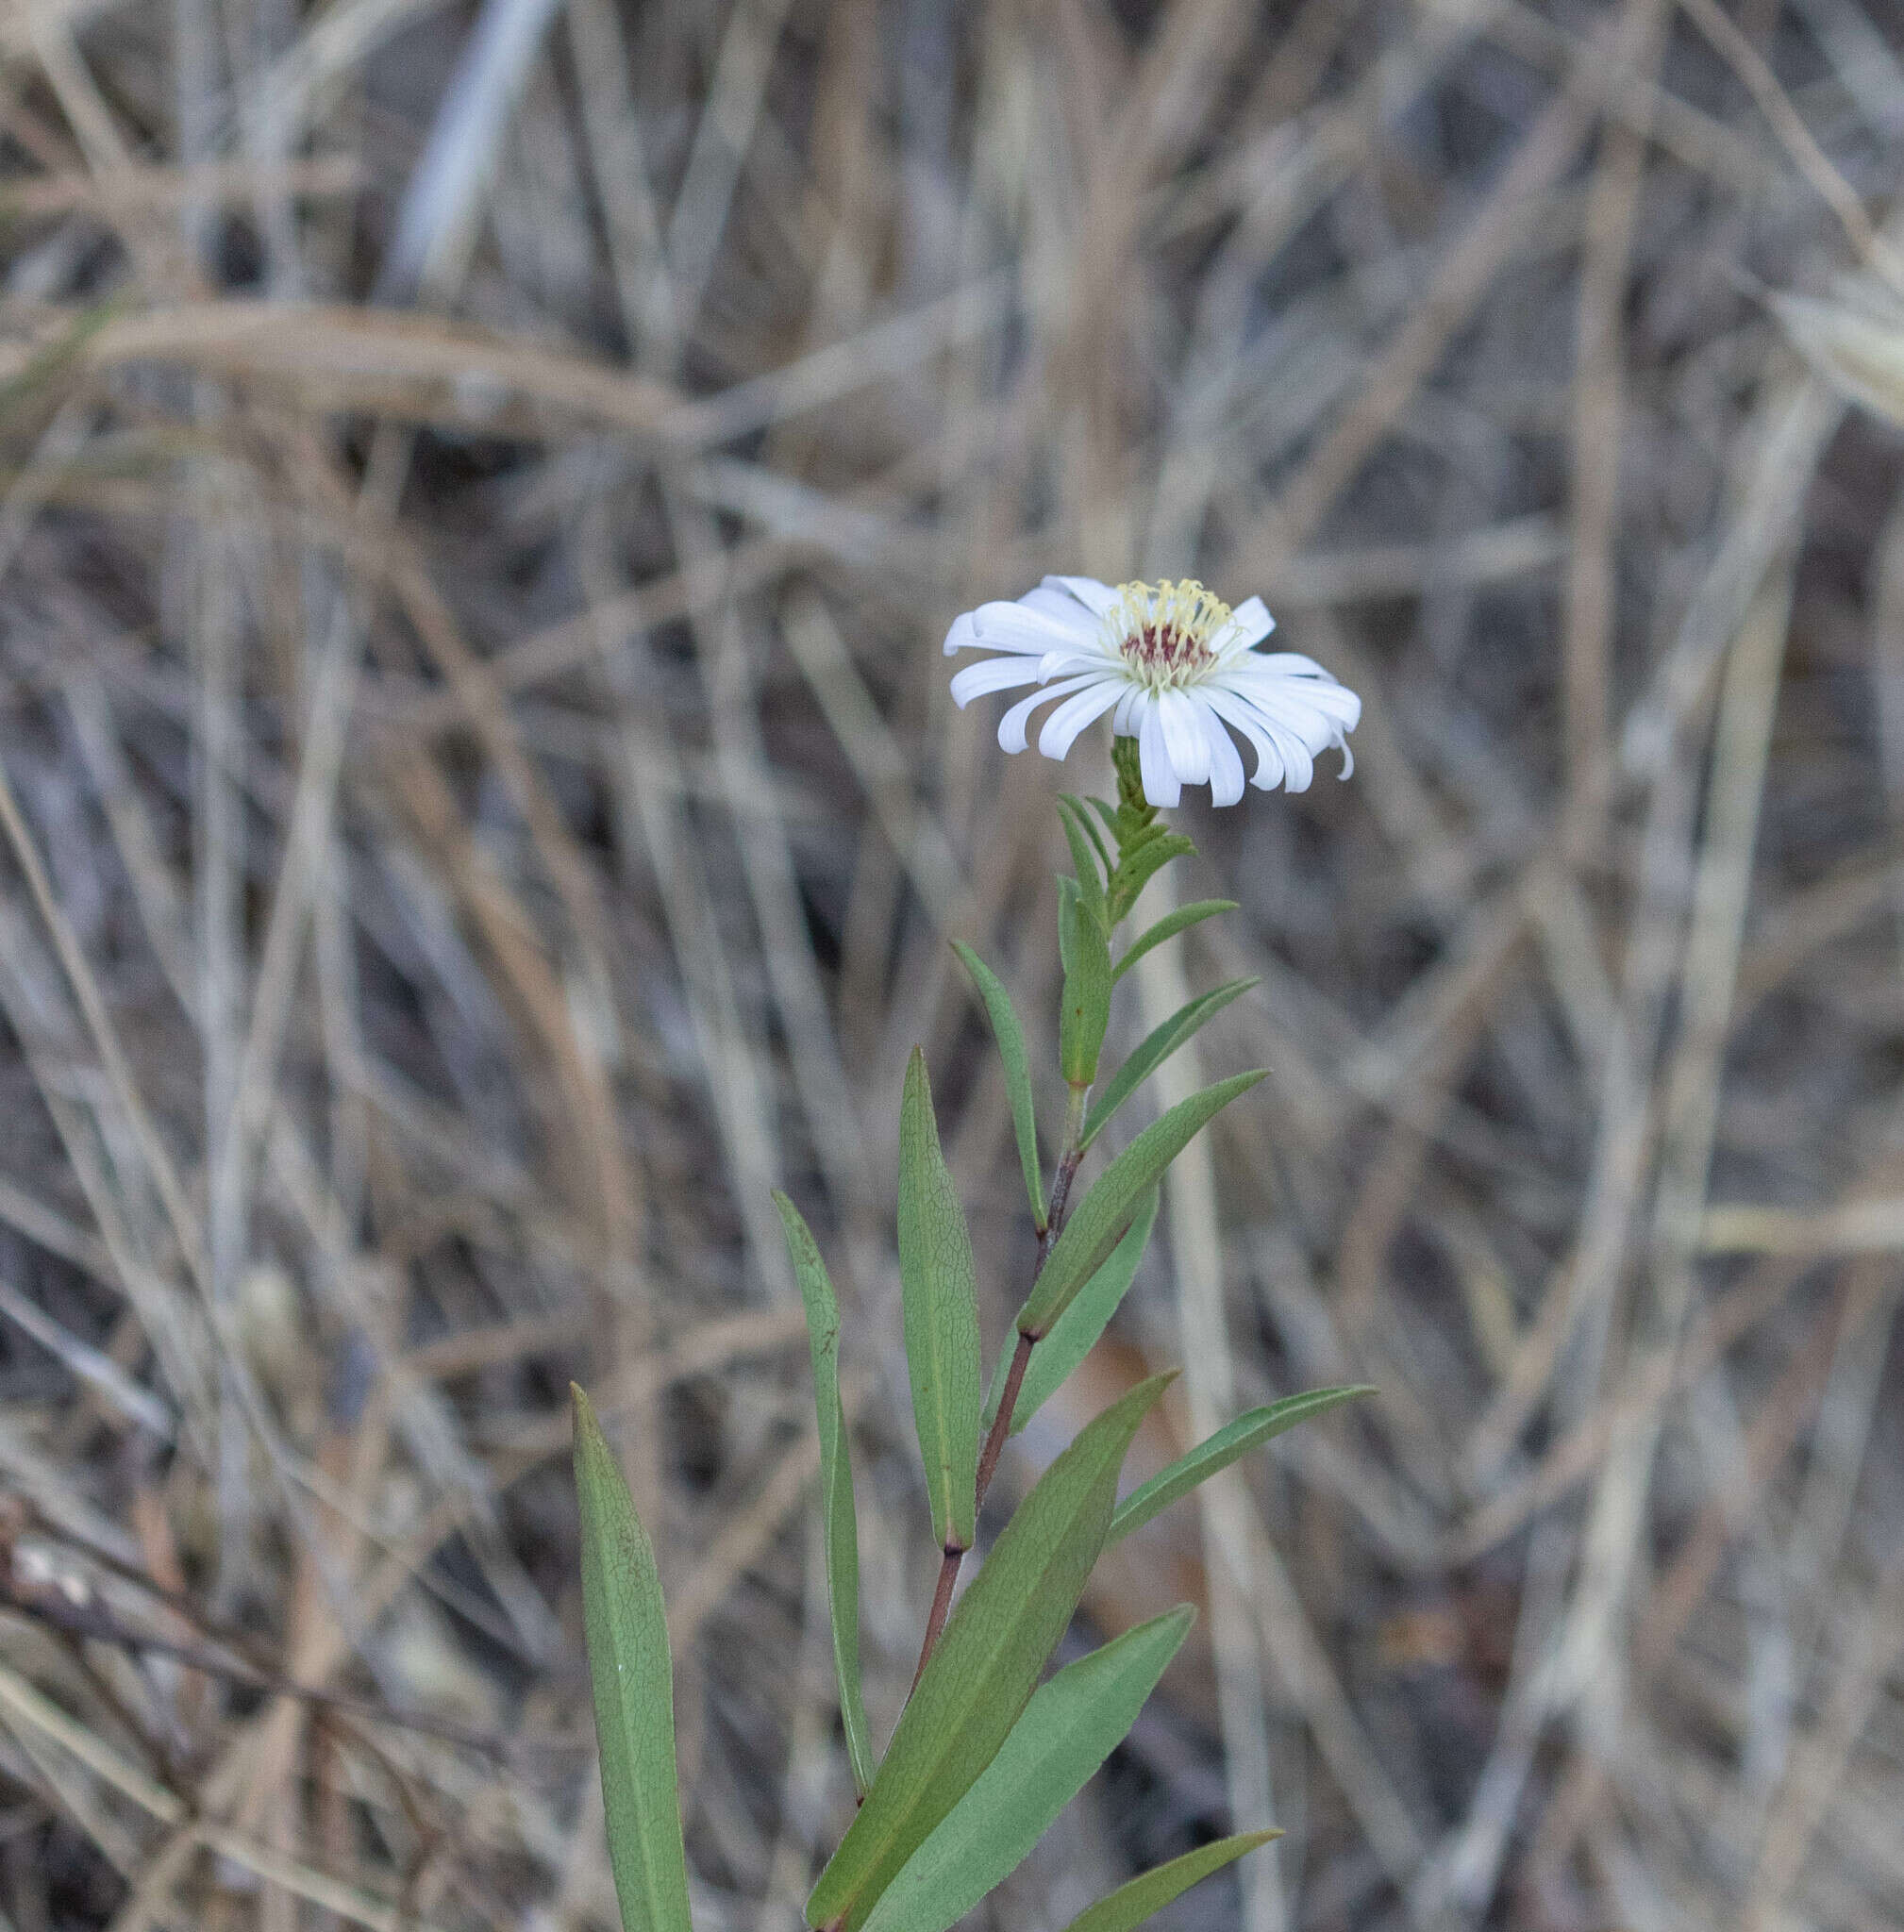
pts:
[1175, 665]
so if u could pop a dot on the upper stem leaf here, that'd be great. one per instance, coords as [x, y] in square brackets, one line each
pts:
[938, 1285]
[836, 1522]
[1010, 1039]
[1112, 1205]
[1219, 1451]
[1085, 954]
[633, 1680]
[1076, 1331]
[1150, 1891]
[1155, 1048]
[1167, 928]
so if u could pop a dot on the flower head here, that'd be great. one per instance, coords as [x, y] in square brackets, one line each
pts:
[1176, 668]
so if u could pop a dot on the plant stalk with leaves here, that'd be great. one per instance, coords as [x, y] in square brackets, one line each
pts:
[983, 1757]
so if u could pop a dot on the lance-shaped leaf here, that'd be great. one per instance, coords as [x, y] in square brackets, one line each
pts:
[1010, 1039]
[987, 1664]
[1112, 1205]
[838, 1527]
[1136, 865]
[1154, 1049]
[634, 1689]
[1167, 928]
[1085, 954]
[1076, 1331]
[940, 1286]
[1071, 1724]
[1086, 846]
[1150, 1891]
[1239, 1438]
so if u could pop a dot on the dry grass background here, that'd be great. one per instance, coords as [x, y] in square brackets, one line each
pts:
[483, 488]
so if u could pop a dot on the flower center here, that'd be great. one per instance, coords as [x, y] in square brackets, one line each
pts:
[1162, 631]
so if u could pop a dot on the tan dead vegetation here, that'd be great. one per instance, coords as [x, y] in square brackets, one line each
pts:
[481, 488]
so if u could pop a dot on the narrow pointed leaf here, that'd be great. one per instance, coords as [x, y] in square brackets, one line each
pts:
[1076, 1331]
[1086, 848]
[1010, 1039]
[838, 1528]
[1136, 866]
[1112, 1205]
[1154, 1049]
[987, 1664]
[1167, 928]
[1150, 1891]
[1086, 955]
[938, 1285]
[1071, 1724]
[1238, 1439]
[634, 1689]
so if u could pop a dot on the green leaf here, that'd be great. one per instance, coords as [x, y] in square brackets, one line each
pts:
[837, 1523]
[1112, 1205]
[1010, 1039]
[940, 1288]
[1150, 1891]
[1167, 928]
[1076, 1331]
[1086, 957]
[1071, 1724]
[634, 1689]
[1136, 867]
[987, 1664]
[1157, 1047]
[1236, 1440]
[1081, 835]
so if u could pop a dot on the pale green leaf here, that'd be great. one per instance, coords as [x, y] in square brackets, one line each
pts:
[837, 1523]
[1010, 1039]
[1150, 1891]
[633, 1680]
[1085, 954]
[1076, 1331]
[977, 1682]
[1139, 859]
[939, 1286]
[1167, 928]
[1236, 1438]
[1154, 1049]
[1086, 848]
[1112, 1202]
[1071, 1724]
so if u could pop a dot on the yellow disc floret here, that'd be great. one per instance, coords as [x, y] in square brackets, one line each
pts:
[1162, 631]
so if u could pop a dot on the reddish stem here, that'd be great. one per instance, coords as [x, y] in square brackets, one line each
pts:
[942, 1607]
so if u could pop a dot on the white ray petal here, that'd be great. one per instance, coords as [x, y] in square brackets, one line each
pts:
[1012, 628]
[1269, 765]
[1183, 737]
[1226, 761]
[1095, 597]
[994, 673]
[1012, 727]
[1071, 717]
[1161, 785]
[1249, 623]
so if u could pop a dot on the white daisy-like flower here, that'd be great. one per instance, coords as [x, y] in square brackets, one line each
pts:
[1176, 668]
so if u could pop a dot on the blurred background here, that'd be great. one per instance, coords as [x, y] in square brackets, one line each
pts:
[484, 487]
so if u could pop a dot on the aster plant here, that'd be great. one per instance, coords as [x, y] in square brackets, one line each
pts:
[985, 1754]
